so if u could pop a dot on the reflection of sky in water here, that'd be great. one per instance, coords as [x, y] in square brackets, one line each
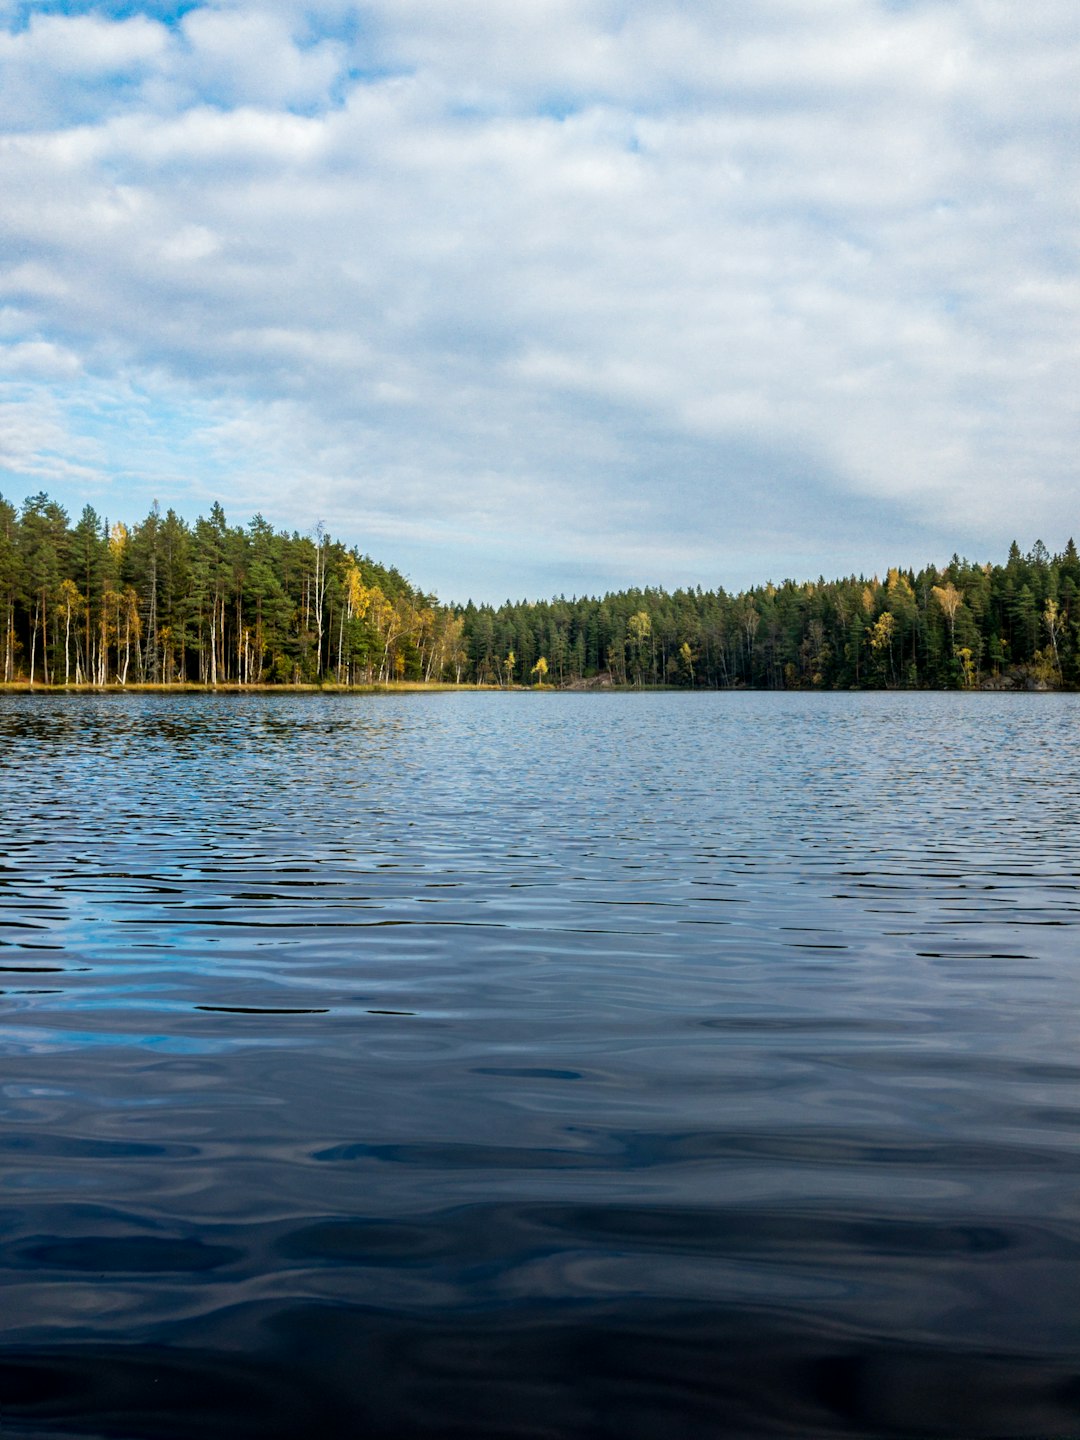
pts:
[418, 1007]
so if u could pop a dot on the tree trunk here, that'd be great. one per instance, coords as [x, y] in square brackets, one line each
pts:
[44, 641]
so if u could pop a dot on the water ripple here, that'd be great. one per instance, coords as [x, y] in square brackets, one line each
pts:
[516, 1066]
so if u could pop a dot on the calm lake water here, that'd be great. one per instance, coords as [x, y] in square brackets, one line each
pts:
[540, 1066]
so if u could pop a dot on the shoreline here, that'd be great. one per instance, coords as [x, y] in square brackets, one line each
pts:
[422, 687]
[191, 687]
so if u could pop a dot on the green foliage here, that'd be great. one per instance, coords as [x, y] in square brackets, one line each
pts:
[964, 625]
[168, 602]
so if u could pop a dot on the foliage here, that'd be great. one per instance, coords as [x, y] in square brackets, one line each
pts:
[965, 625]
[167, 602]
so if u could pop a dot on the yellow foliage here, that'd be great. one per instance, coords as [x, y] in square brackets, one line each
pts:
[129, 603]
[881, 632]
[949, 598]
[378, 609]
[639, 627]
[900, 585]
[70, 598]
[967, 665]
[357, 595]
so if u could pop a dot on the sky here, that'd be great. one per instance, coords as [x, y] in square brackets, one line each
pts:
[529, 297]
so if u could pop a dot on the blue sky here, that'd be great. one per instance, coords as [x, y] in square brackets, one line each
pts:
[530, 296]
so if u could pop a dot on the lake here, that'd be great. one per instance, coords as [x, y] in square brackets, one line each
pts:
[540, 1066]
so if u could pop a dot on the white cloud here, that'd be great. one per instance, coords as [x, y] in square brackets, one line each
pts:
[249, 56]
[668, 277]
[36, 444]
[38, 360]
[83, 45]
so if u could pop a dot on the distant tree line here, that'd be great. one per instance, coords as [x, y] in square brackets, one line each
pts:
[966, 625]
[167, 602]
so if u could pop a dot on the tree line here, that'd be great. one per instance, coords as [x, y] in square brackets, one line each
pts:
[165, 602]
[964, 625]
[168, 602]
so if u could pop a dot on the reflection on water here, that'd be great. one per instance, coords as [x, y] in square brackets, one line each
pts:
[540, 1066]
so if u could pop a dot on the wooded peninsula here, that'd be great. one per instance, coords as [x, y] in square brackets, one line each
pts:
[164, 602]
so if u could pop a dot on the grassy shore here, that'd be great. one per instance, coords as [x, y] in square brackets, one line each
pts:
[391, 687]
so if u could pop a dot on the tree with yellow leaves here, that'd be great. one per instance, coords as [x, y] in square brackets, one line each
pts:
[118, 541]
[127, 617]
[881, 639]
[71, 602]
[638, 630]
[355, 600]
[1052, 621]
[950, 600]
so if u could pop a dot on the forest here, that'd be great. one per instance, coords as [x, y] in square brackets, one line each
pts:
[165, 602]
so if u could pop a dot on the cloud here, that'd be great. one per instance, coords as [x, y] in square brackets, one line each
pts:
[69, 66]
[679, 291]
[83, 46]
[38, 360]
[250, 57]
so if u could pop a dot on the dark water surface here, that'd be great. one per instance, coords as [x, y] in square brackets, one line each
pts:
[540, 1066]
